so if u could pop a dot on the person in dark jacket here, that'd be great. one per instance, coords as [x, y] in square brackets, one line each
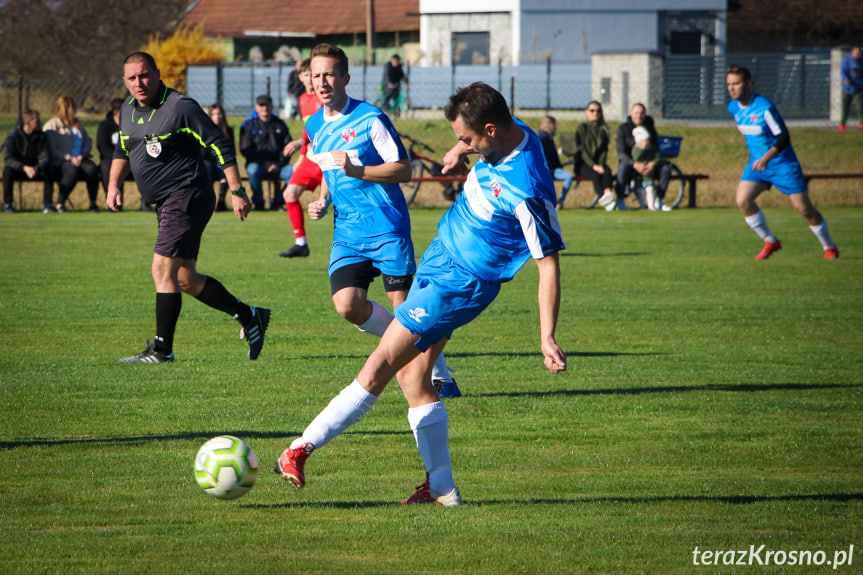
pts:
[27, 157]
[628, 168]
[265, 141]
[547, 130]
[591, 151]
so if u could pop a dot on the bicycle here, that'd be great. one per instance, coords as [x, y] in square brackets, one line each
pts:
[400, 105]
[423, 166]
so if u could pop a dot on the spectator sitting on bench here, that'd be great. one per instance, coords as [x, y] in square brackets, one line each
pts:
[645, 153]
[265, 143]
[27, 157]
[630, 167]
[70, 146]
[547, 130]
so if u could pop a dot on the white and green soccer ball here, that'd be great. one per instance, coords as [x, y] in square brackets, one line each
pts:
[226, 467]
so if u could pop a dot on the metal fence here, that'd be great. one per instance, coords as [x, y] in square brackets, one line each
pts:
[693, 86]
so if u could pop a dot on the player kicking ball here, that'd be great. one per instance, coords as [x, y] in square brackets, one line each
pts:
[505, 216]
[772, 161]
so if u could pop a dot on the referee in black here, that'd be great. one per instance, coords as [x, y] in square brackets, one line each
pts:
[162, 133]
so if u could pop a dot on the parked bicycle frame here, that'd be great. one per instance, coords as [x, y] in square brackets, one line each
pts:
[423, 166]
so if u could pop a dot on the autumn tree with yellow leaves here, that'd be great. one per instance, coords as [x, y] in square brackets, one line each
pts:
[187, 45]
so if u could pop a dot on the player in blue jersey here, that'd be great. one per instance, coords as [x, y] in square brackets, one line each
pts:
[772, 161]
[505, 215]
[363, 161]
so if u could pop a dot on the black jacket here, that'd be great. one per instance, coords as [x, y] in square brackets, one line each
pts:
[625, 141]
[262, 142]
[106, 137]
[23, 149]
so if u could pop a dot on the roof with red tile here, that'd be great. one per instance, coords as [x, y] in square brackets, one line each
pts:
[234, 18]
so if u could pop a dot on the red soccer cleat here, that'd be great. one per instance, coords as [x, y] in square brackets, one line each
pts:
[841, 127]
[290, 465]
[424, 495]
[831, 253]
[769, 249]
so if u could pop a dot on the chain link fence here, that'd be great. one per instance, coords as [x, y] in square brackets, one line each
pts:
[693, 87]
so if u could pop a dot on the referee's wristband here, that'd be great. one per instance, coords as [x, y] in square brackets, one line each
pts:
[240, 192]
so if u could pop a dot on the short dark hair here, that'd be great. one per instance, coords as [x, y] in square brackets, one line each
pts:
[142, 57]
[739, 71]
[28, 115]
[264, 100]
[329, 51]
[478, 104]
[116, 104]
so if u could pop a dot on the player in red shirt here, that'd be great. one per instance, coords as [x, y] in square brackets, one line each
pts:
[307, 174]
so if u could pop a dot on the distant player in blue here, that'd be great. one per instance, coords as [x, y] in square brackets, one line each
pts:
[505, 215]
[772, 161]
[363, 161]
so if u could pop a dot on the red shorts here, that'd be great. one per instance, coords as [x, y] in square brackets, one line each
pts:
[307, 173]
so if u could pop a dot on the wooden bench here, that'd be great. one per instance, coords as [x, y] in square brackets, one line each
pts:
[843, 176]
[692, 181]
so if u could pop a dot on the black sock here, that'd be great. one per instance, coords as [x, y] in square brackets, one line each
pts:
[218, 297]
[168, 307]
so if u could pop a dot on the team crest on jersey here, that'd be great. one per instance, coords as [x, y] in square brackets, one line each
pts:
[753, 118]
[348, 135]
[495, 188]
[154, 147]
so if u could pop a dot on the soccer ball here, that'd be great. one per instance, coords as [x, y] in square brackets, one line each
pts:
[226, 467]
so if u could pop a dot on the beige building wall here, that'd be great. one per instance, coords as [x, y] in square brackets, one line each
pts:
[620, 80]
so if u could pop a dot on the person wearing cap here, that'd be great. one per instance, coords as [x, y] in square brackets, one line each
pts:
[266, 143]
[645, 153]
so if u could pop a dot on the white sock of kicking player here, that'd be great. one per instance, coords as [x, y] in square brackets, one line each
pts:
[758, 223]
[823, 234]
[345, 409]
[378, 322]
[440, 370]
[430, 425]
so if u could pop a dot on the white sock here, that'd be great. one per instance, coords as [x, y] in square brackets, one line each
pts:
[430, 424]
[345, 409]
[823, 234]
[378, 322]
[758, 223]
[301, 241]
[440, 370]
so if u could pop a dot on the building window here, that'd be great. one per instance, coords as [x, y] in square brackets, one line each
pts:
[470, 48]
[685, 43]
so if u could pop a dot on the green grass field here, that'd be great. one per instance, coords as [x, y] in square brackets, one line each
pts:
[711, 402]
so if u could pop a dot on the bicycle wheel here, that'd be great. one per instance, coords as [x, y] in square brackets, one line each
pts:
[676, 188]
[410, 189]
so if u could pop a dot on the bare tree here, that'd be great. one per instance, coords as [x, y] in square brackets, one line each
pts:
[78, 39]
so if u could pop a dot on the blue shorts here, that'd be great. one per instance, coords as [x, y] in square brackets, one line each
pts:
[442, 298]
[786, 176]
[393, 255]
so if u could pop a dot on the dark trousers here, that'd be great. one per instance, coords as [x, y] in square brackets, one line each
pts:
[68, 174]
[846, 106]
[626, 173]
[11, 175]
[601, 182]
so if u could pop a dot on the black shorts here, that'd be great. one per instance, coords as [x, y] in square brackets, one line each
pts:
[362, 274]
[182, 218]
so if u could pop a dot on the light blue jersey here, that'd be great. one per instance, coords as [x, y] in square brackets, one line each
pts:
[760, 124]
[363, 210]
[505, 215]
